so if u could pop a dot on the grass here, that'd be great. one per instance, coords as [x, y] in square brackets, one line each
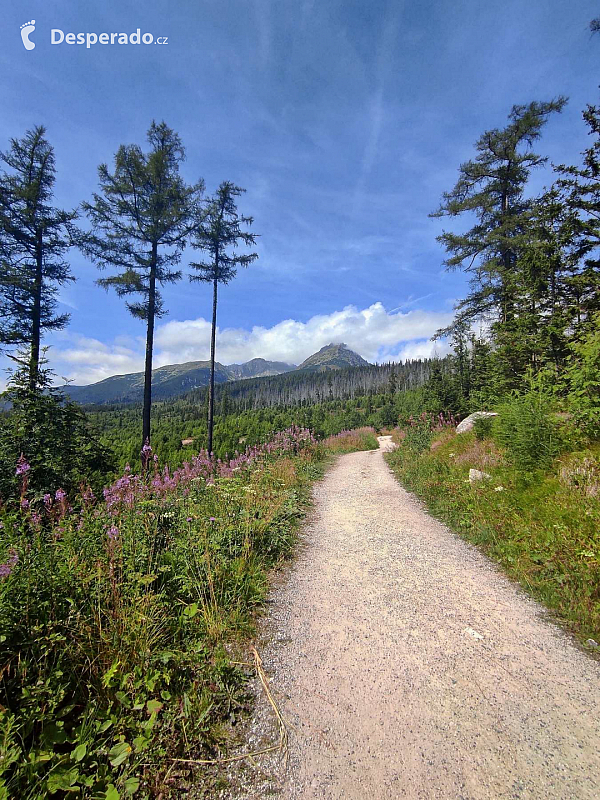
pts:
[350, 441]
[120, 618]
[543, 526]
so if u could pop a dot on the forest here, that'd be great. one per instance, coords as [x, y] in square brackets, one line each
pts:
[136, 541]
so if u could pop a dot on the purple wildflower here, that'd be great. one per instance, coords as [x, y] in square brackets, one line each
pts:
[11, 562]
[22, 466]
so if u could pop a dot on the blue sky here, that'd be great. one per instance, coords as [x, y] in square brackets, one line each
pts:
[345, 122]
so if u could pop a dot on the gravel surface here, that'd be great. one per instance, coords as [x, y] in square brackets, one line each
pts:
[407, 666]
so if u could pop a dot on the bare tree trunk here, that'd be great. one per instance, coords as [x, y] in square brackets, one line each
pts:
[211, 385]
[149, 349]
[36, 326]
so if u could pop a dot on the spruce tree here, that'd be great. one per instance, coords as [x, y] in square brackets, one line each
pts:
[218, 235]
[492, 188]
[141, 219]
[582, 187]
[34, 238]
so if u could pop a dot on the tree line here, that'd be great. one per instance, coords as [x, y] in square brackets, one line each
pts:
[533, 261]
[141, 219]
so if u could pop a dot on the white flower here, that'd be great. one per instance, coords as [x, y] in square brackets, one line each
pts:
[499, 489]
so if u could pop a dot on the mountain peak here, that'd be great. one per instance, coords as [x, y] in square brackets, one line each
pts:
[334, 356]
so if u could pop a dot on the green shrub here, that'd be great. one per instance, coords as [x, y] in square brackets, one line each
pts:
[527, 430]
[583, 375]
[54, 437]
[483, 427]
[418, 437]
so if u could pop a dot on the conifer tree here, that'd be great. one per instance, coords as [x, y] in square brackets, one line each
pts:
[219, 234]
[141, 219]
[491, 187]
[582, 185]
[34, 237]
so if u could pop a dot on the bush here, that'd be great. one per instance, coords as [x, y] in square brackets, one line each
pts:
[483, 427]
[583, 377]
[55, 440]
[526, 429]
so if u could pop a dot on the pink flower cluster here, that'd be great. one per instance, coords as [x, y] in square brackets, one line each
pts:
[128, 489]
[435, 422]
[9, 565]
[346, 434]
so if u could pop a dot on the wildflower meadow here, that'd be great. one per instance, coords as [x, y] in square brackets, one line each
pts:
[119, 614]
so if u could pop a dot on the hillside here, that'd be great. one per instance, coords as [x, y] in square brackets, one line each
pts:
[171, 380]
[174, 380]
[333, 356]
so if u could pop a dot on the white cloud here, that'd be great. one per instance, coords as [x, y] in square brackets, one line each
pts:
[423, 349]
[87, 360]
[373, 332]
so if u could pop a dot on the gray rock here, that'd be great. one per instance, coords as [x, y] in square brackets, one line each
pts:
[468, 423]
[477, 475]
[592, 643]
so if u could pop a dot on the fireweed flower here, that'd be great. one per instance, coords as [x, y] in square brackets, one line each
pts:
[22, 466]
[146, 454]
[10, 563]
[113, 533]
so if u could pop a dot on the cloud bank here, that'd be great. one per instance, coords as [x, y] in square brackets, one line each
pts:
[373, 332]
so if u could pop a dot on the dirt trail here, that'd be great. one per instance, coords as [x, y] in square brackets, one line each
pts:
[409, 667]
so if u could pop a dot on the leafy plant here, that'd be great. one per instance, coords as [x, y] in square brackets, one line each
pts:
[583, 376]
[483, 427]
[525, 427]
[53, 440]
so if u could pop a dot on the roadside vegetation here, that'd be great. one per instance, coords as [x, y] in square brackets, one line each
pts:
[535, 509]
[121, 615]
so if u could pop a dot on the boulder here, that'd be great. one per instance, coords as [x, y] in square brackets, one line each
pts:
[468, 423]
[477, 475]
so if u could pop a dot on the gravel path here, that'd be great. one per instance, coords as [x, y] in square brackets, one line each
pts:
[407, 666]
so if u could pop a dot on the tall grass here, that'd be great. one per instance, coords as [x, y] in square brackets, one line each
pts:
[116, 615]
[350, 441]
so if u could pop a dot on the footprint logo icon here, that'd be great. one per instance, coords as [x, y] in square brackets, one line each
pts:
[26, 29]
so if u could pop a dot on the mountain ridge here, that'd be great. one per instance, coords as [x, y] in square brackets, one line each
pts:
[173, 380]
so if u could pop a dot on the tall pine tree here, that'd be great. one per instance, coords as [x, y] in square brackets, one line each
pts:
[141, 219]
[491, 187]
[219, 234]
[34, 238]
[582, 185]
